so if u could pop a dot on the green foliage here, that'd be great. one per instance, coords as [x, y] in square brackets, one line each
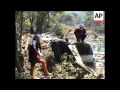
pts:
[57, 29]
[61, 29]
[27, 22]
[58, 20]
[89, 19]
[55, 16]
[98, 26]
[69, 19]
[64, 29]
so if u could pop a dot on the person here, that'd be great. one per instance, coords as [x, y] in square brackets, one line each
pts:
[59, 47]
[80, 33]
[31, 30]
[34, 56]
[66, 39]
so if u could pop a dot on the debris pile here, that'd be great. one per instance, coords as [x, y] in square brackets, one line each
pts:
[67, 69]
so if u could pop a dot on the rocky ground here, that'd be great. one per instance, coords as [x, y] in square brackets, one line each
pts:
[67, 69]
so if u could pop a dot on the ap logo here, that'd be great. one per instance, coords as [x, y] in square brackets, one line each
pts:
[99, 16]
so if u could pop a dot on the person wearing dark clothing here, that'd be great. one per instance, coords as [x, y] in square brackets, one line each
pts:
[34, 57]
[66, 38]
[31, 30]
[59, 47]
[80, 33]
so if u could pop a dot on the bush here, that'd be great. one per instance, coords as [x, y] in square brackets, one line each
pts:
[64, 29]
[27, 23]
[61, 29]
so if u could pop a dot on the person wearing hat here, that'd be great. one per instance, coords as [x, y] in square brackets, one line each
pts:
[35, 57]
[80, 33]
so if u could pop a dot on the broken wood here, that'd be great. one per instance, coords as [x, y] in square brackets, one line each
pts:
[97, 36]
[80, 62]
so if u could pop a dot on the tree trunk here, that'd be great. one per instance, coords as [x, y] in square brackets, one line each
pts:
[39, 25]
[21, 54]
[40, 21]
[21, 31]
[17, 63]
[16, 14]
[31, 30]
[48, 18]
[31, 27]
